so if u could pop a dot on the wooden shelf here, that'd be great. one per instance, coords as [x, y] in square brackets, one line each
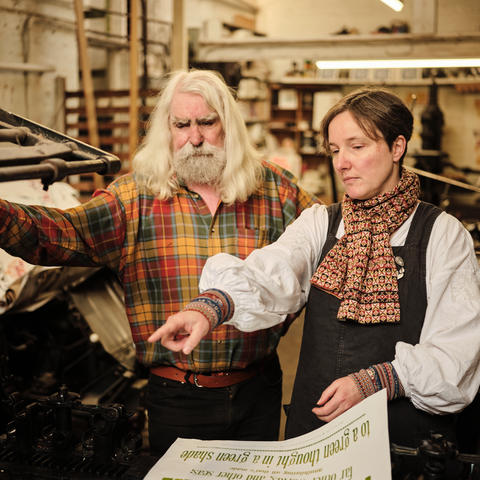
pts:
[113, 120]
[301, 132]
[254, 100]
[312, 82]
[346, 47]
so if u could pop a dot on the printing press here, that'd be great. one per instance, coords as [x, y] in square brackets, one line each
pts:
[70, 391]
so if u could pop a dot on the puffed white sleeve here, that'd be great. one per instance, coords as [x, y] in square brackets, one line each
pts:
[272, 281]
[441, 374]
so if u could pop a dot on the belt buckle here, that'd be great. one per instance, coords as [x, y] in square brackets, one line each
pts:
[195, 380]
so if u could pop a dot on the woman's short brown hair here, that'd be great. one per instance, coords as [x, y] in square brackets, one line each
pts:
[378, 112]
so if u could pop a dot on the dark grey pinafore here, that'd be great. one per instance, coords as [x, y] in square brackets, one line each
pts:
[332, 349]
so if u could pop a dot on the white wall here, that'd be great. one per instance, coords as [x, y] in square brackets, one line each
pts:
[200, 12]
[46, 39]
[43, 33]
[459, 16]
[313, 18]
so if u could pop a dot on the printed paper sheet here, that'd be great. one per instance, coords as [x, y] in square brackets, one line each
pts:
[354, 446]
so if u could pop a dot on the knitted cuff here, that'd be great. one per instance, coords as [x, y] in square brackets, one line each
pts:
[376, 377]
[216, 305]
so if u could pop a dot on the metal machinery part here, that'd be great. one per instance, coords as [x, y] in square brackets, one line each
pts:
[71, 393]
[31, 151]
[434, 459]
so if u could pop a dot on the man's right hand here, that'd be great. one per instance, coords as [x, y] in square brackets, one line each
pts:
[182, 331]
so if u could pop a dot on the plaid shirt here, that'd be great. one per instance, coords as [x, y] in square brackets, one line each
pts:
[158, 249]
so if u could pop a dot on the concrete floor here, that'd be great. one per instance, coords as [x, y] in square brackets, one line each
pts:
[288, 351]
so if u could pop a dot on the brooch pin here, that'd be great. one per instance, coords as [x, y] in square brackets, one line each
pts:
[401, 264]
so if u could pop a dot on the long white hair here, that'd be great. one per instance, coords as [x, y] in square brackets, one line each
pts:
[153, 161]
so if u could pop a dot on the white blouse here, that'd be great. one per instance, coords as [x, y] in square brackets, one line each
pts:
[440, 374]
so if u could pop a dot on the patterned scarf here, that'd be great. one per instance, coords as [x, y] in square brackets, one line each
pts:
[360, 269]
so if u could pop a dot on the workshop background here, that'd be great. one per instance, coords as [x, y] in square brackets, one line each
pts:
[91, 70]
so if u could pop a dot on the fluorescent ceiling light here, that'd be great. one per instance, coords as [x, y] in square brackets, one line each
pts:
[400, 63]
[396, 5]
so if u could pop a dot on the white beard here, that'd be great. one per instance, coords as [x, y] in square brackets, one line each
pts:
[199, 165]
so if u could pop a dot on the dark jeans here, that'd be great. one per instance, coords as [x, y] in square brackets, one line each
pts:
[249, 410]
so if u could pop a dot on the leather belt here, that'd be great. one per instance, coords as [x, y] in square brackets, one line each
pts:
[212, 380]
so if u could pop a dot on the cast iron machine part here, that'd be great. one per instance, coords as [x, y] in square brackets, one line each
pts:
[46, 154]
[434, 459]
[59, 437]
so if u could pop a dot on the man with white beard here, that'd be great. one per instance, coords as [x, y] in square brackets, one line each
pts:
[198, 188]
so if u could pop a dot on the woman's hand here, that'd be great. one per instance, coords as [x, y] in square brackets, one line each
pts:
[338, 397]
[182, 331]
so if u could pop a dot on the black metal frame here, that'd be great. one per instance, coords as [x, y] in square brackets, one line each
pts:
[43, 153]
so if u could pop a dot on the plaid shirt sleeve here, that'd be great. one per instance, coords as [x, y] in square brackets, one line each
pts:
[86, 235]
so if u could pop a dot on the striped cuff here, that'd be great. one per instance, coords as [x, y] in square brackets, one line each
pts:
[216, 305]
[377, 377]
